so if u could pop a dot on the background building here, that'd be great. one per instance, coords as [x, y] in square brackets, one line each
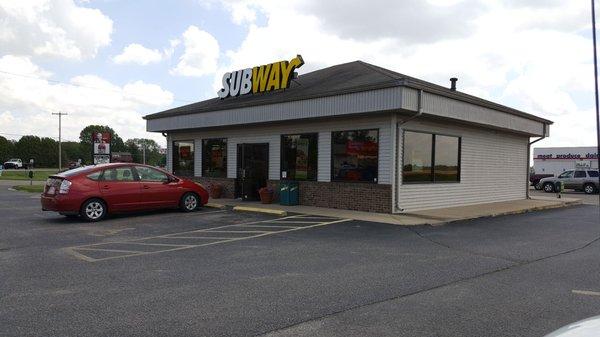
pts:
[555, 160]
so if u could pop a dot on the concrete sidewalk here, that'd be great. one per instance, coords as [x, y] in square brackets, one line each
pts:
[431, 217]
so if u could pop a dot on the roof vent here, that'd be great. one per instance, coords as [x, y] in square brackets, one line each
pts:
[453, 83]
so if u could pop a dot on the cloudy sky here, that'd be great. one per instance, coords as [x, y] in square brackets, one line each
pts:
[112, 62]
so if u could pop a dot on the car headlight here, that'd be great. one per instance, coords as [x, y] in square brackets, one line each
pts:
[64, 187]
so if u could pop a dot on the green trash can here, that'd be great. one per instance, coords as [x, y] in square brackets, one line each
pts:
[288, 193]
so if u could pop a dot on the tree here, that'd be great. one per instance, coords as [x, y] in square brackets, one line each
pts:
[85, 139]
[72, 151]
[7, 148]
[44, 151]
[135, 146]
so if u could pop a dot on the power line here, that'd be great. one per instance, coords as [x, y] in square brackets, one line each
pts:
[21, 135]
[85, 86]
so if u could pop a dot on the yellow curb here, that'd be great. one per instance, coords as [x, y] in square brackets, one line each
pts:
[214, 205]
[260, 210]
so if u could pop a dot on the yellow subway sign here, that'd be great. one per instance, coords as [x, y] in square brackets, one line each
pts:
[268, 77]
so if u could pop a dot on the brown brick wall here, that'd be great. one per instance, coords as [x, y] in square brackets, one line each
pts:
[227, 183]
[343, 195]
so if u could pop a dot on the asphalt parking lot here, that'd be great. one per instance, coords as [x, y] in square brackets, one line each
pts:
[221, 273]
[587, 199]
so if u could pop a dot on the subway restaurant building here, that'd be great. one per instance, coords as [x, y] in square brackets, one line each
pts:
[355, 136]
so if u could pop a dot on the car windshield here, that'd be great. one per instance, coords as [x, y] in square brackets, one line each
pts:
[566, 174]
[14, 159]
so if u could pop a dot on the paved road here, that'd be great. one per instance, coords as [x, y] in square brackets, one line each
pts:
[313, 277]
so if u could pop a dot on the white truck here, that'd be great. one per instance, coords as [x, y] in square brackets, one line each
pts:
[14, 163]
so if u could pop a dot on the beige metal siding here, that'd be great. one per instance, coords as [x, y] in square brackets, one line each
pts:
[169, 154]
[198, 157]
[493, 166]
[441, 106]
[324, 166]
[360, 102]
[272, 134]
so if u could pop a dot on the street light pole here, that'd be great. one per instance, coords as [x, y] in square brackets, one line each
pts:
[596, 91]
[59, 114]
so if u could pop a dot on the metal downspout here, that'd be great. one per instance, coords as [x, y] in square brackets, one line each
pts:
[528, 155]
[398, 168]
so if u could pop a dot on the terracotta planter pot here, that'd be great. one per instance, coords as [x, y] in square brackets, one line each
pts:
[266, 197]
[216, 190]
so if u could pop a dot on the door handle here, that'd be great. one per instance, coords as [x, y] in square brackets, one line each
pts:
[106, 187]
[146, 187]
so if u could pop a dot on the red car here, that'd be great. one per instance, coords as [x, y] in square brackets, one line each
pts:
[94, 191]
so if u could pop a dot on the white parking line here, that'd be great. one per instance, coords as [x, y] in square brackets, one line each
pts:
[182, 235]
[586, 292]
[267, 226]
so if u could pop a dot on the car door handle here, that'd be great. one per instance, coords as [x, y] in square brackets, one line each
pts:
[106, 187]
[146, 187]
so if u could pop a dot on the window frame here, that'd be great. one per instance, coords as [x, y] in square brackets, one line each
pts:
[202, 146]
[281, 148]
[432, 181]
[331, 173]
[193, 160]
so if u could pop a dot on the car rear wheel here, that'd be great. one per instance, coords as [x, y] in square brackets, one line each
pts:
[189, 202]
[93, 210]
[548, 187]
[589, 188]
[537, 186]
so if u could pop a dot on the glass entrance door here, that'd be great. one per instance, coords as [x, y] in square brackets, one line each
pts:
[252, 170]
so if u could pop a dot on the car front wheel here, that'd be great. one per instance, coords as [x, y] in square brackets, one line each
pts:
[93, 210]
[548, 187]
[537, 186]
[589, 189]
[189, 202]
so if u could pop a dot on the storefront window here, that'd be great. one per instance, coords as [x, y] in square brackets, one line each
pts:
[183, 158]
[418, 155]
[430, 158]
[299, 156]
[447, 154]
[355, 155]
[214, 158]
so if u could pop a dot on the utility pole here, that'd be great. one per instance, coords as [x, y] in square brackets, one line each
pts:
[144, 153]
[59, 114]
[596, 91]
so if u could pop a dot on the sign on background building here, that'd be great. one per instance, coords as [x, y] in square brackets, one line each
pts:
[101, 147]
[556, 160]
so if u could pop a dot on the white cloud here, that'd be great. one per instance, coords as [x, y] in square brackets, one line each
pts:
[88, 99]
[200, 56]
[168, 52]
[57, 28]
[138, 54]
[532, 56]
